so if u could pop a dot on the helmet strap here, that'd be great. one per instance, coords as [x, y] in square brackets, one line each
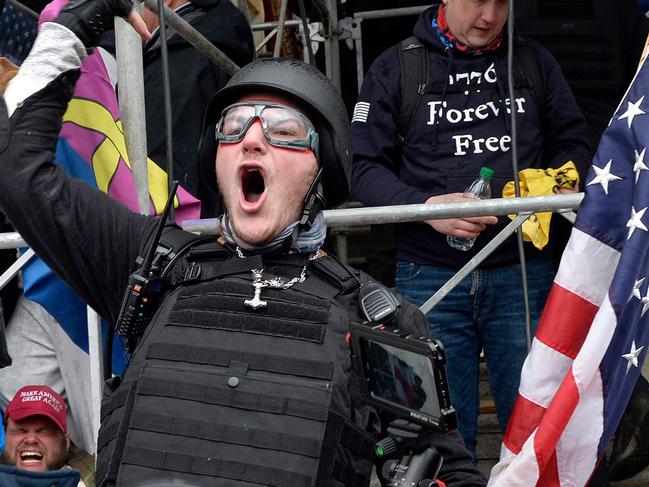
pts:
[314, 201]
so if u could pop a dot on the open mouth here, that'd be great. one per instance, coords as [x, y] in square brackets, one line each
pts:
[252, 184]
[31, 456]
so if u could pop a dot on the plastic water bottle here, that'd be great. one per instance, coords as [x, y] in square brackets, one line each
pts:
[481, 188]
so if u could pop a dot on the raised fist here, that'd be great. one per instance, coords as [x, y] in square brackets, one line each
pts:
[89, 19]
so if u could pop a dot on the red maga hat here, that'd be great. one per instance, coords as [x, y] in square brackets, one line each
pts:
[38, 401]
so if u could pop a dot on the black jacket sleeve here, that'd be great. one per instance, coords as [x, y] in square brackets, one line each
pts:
[88, 239]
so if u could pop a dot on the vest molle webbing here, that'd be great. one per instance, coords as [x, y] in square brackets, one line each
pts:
[220, 394]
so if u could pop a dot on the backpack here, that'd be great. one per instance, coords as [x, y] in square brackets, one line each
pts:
[415, 80]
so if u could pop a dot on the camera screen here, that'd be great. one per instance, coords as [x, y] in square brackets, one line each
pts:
[401, 377]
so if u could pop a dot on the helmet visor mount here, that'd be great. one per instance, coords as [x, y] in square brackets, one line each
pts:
[282, 126]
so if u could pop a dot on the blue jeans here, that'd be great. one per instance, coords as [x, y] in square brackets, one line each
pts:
[484, 312]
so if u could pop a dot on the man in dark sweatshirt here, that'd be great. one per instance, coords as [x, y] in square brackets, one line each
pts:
[462, 122]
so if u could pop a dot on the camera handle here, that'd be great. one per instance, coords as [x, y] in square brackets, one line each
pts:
[418, 462]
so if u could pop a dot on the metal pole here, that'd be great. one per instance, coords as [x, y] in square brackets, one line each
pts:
[421, 212]
[166, 91]
[504, 234]
[360, 75]
[390, 12]
[265, 40]
[395, 214]
[514, 152]
[332, 51]
[280, 29]
[196, 39]
[130, 87]
[11, 240]
[306, 47]
[95, 353]
[272, 25]
[14, 268]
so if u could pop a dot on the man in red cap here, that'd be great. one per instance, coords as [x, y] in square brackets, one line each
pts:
[36, 430]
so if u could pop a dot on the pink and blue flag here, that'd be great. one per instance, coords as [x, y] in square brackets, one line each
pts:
[91, 147]
[594, 332]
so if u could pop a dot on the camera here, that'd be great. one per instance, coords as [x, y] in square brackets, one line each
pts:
[404, 375]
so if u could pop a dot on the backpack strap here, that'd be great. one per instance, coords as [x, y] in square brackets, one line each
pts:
[415, 76]
[526, 59]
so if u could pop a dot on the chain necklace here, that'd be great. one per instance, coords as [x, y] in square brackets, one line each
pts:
[259, 283]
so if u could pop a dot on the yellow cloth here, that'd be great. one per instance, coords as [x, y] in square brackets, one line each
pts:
[540, 182]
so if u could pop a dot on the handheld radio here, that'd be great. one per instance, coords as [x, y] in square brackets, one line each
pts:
[144, 289]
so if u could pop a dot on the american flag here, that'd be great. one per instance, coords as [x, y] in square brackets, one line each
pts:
[593, 335]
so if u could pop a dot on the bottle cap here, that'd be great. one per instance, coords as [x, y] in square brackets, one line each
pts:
[486, 173]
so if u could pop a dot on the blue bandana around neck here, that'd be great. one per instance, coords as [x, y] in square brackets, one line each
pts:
[308, 241]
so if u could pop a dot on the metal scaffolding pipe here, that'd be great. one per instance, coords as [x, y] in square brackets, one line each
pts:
[391, 12]
[272, 25]
[397, 214]
[332, 49]
[280, 29]
[477, 259]
[195, 38]
[130, 74]
[421, 212]
[11, 240]
[14, 268]
[323, 10]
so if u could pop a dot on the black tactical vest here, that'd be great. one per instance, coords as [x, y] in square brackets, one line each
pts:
[220, 394]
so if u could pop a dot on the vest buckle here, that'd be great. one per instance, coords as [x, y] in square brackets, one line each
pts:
[193, 272]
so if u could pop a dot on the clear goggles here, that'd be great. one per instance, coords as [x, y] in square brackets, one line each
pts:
[282, 126]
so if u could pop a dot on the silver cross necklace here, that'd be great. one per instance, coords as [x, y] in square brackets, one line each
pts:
[259, 283]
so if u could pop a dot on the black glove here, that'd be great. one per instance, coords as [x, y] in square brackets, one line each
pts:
[89, 19]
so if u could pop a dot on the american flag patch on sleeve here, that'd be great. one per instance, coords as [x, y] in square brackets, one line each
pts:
[361, 110]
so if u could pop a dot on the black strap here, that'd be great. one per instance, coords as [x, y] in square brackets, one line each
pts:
[286, 441]
[115, 458]
[525, 58]
[189, 269]
[415, 74]
[306, 407]
[214, 467]
[342, 278]
[256, 361]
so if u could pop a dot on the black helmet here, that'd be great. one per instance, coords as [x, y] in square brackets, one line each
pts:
[312, 92]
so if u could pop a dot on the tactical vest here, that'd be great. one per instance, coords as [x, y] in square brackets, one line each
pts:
[220, 394]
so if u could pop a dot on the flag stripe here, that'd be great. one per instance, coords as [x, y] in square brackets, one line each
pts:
[565, 332]
[550, 475]
[588, 270]
[518, 432]
[578, 445]
[547, 364]
[555, 420]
